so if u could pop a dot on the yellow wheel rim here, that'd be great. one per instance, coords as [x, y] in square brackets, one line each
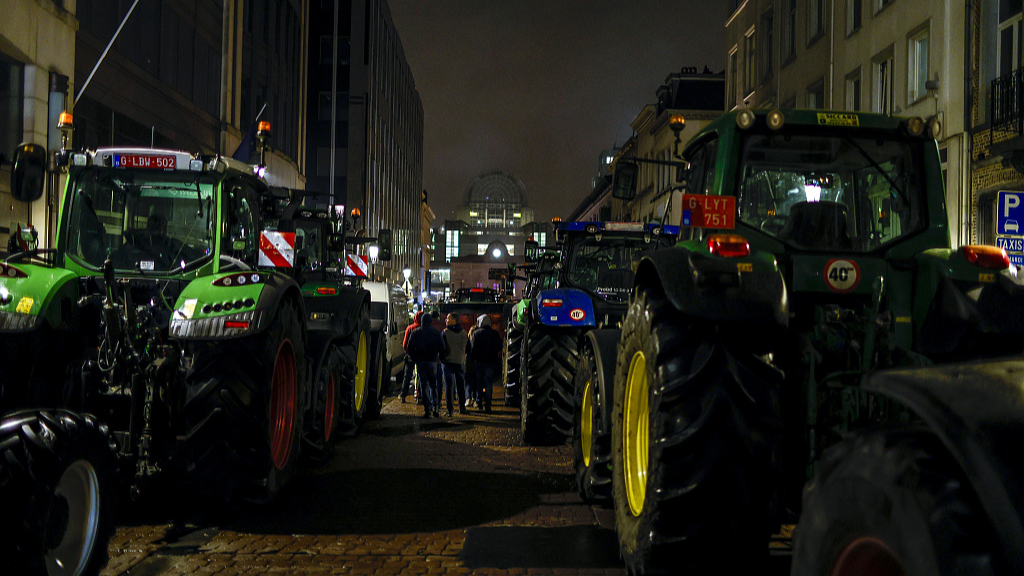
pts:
[587, 423]
[636, 433]
[360, 383]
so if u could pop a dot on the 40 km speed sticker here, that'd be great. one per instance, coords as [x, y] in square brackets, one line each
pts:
[842, 275]
[577, 314]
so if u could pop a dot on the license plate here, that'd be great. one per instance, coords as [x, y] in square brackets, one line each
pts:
[143, 161]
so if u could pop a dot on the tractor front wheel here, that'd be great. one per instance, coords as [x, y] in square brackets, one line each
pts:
[513, 356]
[892, 502]
[57, 493]
[591, 440]
[694, 429]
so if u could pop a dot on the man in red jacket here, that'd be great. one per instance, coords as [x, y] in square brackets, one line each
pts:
[409, 365]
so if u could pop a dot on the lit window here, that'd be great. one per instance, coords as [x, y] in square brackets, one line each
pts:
[473, 213]
[517, 215]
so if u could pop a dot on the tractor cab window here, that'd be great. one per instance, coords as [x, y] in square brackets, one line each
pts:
[606, 267]
[831, 192]
[144, 221]
[308, 237]
[242, 221]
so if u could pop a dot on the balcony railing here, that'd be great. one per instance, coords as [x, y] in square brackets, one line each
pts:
[1006, 102]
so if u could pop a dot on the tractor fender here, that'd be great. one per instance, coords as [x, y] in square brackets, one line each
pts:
[337, 313]
[605, 344]
[718, 289]
[575, 309]
[977, 410]
[276, 288]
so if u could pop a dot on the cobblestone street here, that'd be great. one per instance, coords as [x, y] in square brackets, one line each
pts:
[406, 496]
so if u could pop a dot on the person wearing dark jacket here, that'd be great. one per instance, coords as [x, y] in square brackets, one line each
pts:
[425, 346]
[409, 366]
[485, 348]
[455, 343]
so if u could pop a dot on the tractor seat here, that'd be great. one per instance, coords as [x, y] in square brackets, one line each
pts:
[817, 225]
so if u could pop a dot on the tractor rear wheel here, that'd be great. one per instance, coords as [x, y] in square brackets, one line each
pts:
[321, 431]
[591, 440]
[547, 401]
[695, 425]
[892, 502]
[513, 355]
[355, 386]
[242, 411]
[57, 491]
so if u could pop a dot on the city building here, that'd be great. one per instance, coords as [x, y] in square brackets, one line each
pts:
[898, 57]
[598, 205]
[37, 59]
[378, 124]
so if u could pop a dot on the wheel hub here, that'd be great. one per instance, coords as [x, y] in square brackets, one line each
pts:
[867, 556]
[587, 422]
[282, 405]
[636, 433]
[73, 521]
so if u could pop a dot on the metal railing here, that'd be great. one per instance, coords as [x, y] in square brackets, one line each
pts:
[1006, 103]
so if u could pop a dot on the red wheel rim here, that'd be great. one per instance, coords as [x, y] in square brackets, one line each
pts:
[329, 410]
[282, 405]
[867, 556]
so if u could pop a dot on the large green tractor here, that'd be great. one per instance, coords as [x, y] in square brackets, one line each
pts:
[812, 353]
[170, 310]
[540, 275]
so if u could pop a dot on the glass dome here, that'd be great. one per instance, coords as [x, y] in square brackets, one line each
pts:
[496, 188]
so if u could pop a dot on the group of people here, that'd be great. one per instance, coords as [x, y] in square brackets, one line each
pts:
[452, 363]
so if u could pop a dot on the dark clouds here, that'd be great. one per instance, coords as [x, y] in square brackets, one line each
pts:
[539, 87]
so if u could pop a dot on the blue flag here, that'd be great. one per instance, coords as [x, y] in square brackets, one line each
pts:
[247, 146]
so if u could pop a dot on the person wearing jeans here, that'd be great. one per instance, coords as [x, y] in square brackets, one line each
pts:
[425, 347]
[455, 343]
[410, 364]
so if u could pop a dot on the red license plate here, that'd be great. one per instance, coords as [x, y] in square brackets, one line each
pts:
[703, 211]
[143, 161]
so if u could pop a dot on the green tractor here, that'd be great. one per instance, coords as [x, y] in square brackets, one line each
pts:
[348, 372]
[814, 352]
[169, 309]
[540, 275]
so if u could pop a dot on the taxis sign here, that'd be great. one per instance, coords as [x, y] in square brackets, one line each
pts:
[706, 211]
[833, 119]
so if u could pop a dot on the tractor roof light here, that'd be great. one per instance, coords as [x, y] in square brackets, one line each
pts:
[745, 119]
[915, 126]
[934, 127]
[776, 119]
[986, 256]
[263, 129]
[728, 245]
[65, 121]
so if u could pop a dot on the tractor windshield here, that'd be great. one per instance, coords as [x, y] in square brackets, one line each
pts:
[606, 267]
[143, 220]
[832, 192]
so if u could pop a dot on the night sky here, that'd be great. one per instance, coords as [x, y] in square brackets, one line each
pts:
[539, 88]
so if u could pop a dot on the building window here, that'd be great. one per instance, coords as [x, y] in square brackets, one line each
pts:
[451, 245]
[816, 95]
[788, 29]
[854, 10]
[732, 90]
[1009, 48]
[917, 66]
[749, 63]
[853, 91]
[481, 249]
[12, 83]
[767, 44]
[879, 4]
[815, 19]
[882, 83]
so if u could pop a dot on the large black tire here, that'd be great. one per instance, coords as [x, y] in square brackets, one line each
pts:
[321, 428]
[356, 366]
[513, 354]
[892, 502]
[58, 493]
[243, 411]
[380, 377]
[591, 440]
[695, 425]
[547, 375]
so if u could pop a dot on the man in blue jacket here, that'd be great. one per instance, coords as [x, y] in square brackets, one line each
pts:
[425, 346]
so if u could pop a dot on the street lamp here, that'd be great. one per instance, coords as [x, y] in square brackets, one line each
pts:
[373, 251]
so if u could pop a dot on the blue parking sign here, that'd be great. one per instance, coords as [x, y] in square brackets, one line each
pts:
[1010, 213]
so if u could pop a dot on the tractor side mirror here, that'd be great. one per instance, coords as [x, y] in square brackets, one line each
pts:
[384, 244]
[624, 180]
[27, 176]
[532, 251]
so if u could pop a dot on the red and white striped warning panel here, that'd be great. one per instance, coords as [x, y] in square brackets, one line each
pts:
[357, 265]
[277, 249]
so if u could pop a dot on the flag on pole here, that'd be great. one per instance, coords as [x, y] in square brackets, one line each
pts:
[247, 146]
